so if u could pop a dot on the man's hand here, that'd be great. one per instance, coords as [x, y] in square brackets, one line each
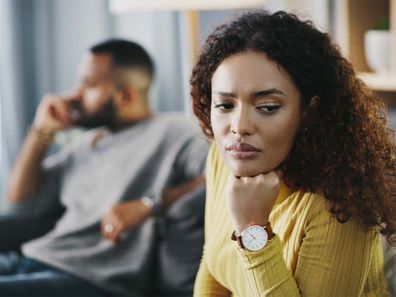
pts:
[122, 217]
[53, 113]
[125, 216]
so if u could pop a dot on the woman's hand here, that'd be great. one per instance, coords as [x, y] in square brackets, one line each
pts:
[250, 199]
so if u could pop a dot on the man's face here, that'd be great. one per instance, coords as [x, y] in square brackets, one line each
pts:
[95, 105]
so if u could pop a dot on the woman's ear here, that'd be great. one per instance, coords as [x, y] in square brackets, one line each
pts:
[310, 111]
[314, 101]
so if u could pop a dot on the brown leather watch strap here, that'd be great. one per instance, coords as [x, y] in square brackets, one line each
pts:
[238, 238]
[268, 228]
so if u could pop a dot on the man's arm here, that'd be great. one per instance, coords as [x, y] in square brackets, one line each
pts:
[128, 215]
[26, 173]
[171, 195]
[52, 115]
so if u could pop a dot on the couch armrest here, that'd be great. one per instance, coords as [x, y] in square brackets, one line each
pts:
[18, 229]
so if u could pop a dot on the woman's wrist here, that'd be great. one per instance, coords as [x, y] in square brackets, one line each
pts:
[242, 225]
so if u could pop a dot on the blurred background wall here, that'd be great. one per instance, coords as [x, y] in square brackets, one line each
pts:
[42, 42]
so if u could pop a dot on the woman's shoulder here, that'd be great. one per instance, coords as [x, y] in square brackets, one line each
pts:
[216, 173]
[302, 204]
[316, 202]
[317, 213]
[215, 165]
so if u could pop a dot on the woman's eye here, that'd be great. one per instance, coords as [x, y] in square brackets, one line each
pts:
[223, 106]
[268, 108]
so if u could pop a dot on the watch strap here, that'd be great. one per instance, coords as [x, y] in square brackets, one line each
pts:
[152, 204]
[238, 238]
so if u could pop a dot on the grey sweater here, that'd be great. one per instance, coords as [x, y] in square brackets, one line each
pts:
[159, 152]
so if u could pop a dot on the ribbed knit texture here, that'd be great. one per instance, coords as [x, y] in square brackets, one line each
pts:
[312, 254]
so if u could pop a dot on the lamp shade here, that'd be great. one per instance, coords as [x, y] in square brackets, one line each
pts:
[121, 6]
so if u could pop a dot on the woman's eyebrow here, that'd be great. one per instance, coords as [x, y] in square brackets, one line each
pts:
[224, 94]
[261, 93]
[268, 92]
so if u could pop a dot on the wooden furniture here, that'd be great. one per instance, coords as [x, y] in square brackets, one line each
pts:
[353, 19]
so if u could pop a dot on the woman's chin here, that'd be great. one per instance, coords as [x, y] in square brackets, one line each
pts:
[247, 171]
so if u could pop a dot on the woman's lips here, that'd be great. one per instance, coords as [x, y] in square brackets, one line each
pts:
[242, 151]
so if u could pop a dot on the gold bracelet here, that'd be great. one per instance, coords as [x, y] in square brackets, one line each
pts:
[43, 136]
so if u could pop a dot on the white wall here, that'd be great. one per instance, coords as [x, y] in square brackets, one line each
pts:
[158, 32]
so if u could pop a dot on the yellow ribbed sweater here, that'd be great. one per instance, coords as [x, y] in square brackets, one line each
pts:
[311, 255]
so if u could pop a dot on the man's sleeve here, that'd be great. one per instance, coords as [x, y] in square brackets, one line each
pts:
[192, 157]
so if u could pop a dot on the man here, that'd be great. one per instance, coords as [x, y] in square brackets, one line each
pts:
[131, 165]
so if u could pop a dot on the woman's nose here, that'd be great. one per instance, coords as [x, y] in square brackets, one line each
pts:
[242, 123]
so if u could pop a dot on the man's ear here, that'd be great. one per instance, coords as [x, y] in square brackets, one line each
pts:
[128, 94]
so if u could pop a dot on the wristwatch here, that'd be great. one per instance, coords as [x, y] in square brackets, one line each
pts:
[152, 203]
[254, 237]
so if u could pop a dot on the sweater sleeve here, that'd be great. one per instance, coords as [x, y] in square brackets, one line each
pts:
[266, 272]
[206, 285]
[334, 260]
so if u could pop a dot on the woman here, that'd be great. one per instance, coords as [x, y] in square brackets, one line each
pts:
[301, 174]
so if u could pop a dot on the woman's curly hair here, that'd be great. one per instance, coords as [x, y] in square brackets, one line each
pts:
[343, 148]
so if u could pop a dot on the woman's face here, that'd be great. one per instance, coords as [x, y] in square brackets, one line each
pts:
[255, 113]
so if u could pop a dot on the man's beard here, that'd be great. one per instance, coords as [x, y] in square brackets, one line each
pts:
[105, 116]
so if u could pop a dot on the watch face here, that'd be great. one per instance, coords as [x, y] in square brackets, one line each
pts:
[254, 238]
